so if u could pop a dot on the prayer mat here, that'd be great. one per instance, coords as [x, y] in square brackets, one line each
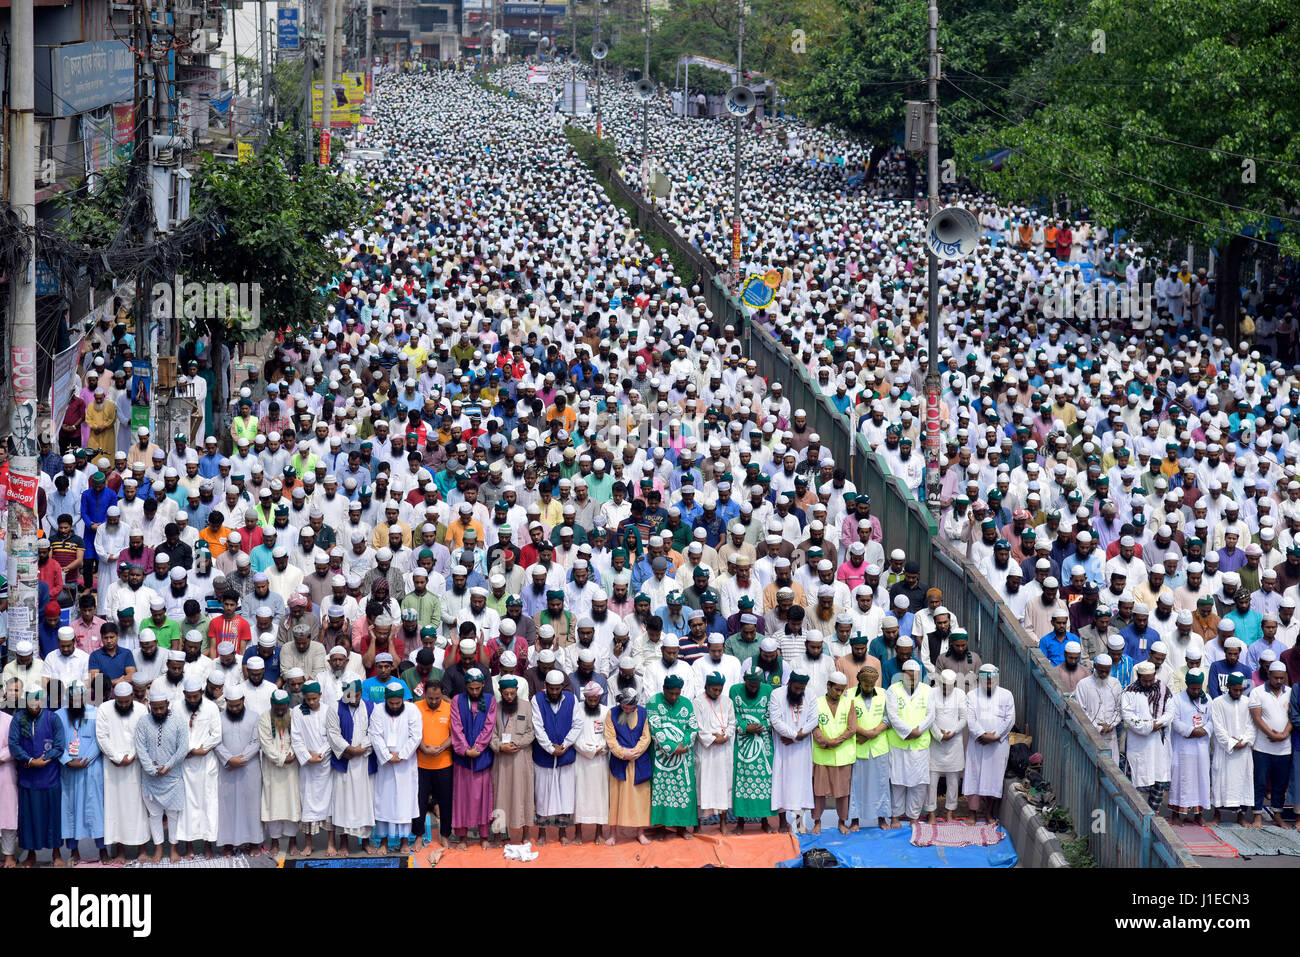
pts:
[753, 850]
[1201, 841]
[1259, 842]
[235, 861]
[873, 847]
[386, 862]
[955, 834]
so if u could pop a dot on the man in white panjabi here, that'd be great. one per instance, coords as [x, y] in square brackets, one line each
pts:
[990, 715]
[311, 748]
[1232, 759]
[909, 708]
[396, 731]
[557, 724]
[1099, 697]
[198, 819]
[347, 722]
[1147, 716]
[591, 769]
[793, 717]
[715, 748]
[126, 822]
[1189, 791]
[281, 802]
[947, 744]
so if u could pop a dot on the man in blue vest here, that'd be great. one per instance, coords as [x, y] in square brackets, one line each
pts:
[557, 724]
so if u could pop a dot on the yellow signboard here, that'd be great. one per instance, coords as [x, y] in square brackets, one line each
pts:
[340, 111]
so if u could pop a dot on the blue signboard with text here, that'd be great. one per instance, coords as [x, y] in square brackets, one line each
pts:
[286, 29]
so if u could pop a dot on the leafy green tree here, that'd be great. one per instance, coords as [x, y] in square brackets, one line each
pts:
[865, 58]
[1165, 118]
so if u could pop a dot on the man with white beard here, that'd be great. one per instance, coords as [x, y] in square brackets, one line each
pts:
[198, 818]
[909, 707]
[347, 723]
[126, 823]
[947, 744]
[990, 714]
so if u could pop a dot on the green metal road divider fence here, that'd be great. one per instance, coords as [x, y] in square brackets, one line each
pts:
[1121, 830]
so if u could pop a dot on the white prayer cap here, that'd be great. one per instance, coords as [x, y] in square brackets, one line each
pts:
[193, 683]
[255, 663]
[768, 644]
[1159, 648]
[555, 677]
[1145, 668]
[175, 654]
[123, 689]
[467, 646]
[1073, 648]
[626, 662]
[157, 693]
[1103, 660]
[669, 641]
[586, 655]
[1184, 617]
[67, 634]
[1277, 666]
[837, 678]
[948, 676]
[1115, 643]
[910, 665]
[889, 621]
[1234, 642]
[509, 659]
[904, 641]
[337, 650]
[546, 656]
[236, 693]
[217, 678]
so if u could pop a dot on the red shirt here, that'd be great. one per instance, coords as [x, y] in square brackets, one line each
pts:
[236, 630]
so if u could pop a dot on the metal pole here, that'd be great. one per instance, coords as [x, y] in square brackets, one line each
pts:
[234, 40]
[265, 43]
[22, 335]
[370, 40]
[932, 491]
[308, 71]
[600, 72]
[735, 198]
[327, 82]
[645, 104]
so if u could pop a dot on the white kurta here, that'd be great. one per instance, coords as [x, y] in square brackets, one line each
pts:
[1232, 772]
[354, 789]
[949, 715]
[554, 788]
[1190, 786]
[396, 782]
[986, 764]
[591, 785]
[125, 819]
[792, 769]
[715, 749]
[198, 820]
[309, 737]
[1149, 755]
[1100, 702]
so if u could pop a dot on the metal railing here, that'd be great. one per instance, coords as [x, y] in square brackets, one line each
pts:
[1122, 831]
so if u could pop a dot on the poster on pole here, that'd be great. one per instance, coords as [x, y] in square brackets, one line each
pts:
[65, 368]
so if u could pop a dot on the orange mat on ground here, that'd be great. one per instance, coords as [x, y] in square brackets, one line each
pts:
[733, 850]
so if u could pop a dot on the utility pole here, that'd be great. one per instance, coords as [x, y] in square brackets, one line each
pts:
[735, 197]
[369, 73]
[305, 43]
[932, 491]
[600, 71]
[265, 43]
[645, 104]
[143, 154]
[22, 334]
[327, 84]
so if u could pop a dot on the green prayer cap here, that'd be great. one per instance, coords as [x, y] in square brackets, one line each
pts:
[508, 682]
[859, 639]
[394, 689]
[672, 681]
[796, 676]
[311, 687]
[755, 674]
[553, 593]
[620, 552]
[1236, 679]
[714, 680]
[98, 476]
[429, 631]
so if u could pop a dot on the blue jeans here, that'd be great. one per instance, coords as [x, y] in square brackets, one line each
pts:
[1272, 774]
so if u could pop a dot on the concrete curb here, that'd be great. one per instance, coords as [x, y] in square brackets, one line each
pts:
[1035, 845]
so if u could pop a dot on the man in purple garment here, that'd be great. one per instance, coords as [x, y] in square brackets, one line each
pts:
[473, 716]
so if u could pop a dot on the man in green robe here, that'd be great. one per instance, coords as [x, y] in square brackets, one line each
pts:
[673, 729]
[752, 782]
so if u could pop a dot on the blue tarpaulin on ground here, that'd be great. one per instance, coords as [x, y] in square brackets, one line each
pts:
[873, 847]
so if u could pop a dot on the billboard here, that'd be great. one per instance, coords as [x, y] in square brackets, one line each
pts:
[78, 77]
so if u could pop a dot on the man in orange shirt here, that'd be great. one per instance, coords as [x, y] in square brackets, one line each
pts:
[433, 759]
[215, 534]
[562, 411]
